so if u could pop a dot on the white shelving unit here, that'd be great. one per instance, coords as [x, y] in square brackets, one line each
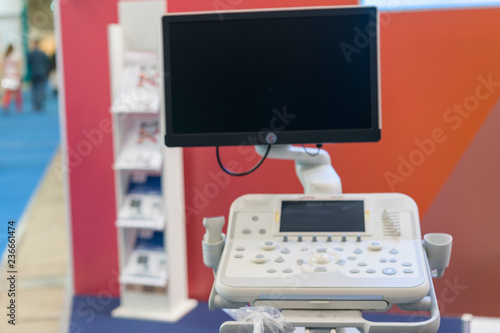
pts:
[149, 177]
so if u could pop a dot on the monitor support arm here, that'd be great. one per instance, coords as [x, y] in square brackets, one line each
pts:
[315, 172]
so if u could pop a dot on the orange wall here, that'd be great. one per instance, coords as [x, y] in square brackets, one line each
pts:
[430, 62]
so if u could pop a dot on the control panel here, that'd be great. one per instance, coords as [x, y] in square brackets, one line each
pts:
[350, 247]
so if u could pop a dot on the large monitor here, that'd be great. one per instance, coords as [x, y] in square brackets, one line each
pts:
[279, 76]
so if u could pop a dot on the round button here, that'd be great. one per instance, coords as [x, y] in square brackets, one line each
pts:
[393, 260]
[408, 271]
[389, 271]
[354, 270]
[246, 231]
[375, 246]
[279, 260]
[287, 270]
[339, 249]
[407, 264]
[352, 257]
[271, 270]
[393, 251]
[262, 231]
[383, 260]
[370, 271]
[362, 264]
[321, 249]
[255, 218]
[238, 256]
[259, 259]
[321, 258]
[304, 249]
[358, 251]
[269, 246]
[240, 248]
[285, 250]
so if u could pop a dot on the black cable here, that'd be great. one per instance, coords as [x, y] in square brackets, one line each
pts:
[242, 173]
[319, 145]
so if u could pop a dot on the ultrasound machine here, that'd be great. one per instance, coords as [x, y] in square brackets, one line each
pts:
[278, 79]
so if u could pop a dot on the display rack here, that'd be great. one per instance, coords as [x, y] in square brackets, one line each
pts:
[148, 176]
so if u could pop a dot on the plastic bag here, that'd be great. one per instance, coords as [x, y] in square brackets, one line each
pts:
[262, 317]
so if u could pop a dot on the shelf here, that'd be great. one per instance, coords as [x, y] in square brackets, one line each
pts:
[140, 85]
[142, 146]
[143, 204]
[153, 224]
[150, 221]
[152, 281]
[137, 160]
[147, 263]
[145, 161]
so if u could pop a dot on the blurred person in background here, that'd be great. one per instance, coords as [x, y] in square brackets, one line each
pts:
[39, 68]
[53, 74]
[11, 79]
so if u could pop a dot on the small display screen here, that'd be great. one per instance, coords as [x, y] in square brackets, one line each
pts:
[322, 216]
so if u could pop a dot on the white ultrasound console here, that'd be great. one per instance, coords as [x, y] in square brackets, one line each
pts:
[348, 251]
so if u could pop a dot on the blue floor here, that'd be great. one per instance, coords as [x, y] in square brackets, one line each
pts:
[28, 141]
[93, 315]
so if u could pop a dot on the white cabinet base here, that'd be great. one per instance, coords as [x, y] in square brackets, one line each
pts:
[174, 315]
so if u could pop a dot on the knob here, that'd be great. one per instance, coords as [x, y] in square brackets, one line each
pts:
[321, 259]
[358, 238]
[299, 239]
[285, 238]
[315, 239]
[329, 238]
[344, 238]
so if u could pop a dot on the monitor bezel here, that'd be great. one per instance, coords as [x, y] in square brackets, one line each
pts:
[372, 134]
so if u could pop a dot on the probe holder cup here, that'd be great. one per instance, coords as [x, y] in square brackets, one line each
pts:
[213, 252]
[438, 249]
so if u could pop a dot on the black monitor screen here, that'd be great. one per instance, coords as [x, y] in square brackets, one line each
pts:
[322, 216]
[303, 76]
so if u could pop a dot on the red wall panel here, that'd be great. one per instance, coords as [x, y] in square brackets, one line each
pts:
[210, 5]
[90, 150]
